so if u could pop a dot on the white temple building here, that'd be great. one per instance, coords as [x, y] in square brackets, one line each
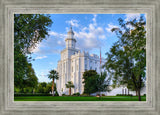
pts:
[73, 64]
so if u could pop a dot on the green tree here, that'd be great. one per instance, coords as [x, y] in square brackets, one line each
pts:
[53, 74]
[102, 83]
[40, 89]
[29, 30]
[48, 87]
[69, 85]
[31, 79]
[90, 79]
[43, 84]
[44, 87]
[93, 82]
[126, 61]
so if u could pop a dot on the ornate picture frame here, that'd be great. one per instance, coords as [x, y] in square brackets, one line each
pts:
[9, 8]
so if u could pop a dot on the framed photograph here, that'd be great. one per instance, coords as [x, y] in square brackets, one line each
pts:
[81, 19]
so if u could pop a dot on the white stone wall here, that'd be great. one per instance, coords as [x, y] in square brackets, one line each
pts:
[121, 90]
[73, 67]
[73, 64]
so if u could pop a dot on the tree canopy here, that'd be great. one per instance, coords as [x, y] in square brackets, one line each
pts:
[29, 30]
[93, 82]
[69, 85]
[126, 60]
[90, 78]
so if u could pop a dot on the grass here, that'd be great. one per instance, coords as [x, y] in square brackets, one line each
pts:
[76, 98]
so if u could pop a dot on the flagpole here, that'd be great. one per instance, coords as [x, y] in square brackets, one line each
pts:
[100, 60]
[100, 69]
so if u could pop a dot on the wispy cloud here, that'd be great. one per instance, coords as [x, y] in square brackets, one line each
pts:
[129, 17]
[88, 37]
[36, 48]
[50, 45]
[110, 26]
[41, 57]
[94, 19]
[73, 22]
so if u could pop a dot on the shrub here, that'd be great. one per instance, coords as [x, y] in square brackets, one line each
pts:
[103, 95]
[98, 95]
[63, 94]
[31, 94]
[76, 94]
[124, 95]
[84, 95]
[144, 95]
[56, 94]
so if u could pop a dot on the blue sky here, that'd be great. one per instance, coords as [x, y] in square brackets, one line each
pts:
[92, 31]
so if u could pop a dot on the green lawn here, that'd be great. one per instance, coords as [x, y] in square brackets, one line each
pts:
[74, 98]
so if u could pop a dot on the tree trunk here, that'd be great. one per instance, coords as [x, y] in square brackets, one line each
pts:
[136, 93]
[33, 90]
[139, 89]
[22, 90]
[53, 88]
[139, 94]
[122, 91]
[69, 91]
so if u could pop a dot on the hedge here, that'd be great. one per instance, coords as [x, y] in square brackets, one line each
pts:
[124, 95]
[31, 94]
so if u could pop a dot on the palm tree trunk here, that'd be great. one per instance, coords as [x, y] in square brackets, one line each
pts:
[69, 91]
[53, 88]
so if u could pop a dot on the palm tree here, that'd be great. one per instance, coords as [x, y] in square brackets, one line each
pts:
[69, 85]
[53, 74]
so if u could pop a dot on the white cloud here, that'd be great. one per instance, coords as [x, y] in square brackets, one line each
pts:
[130, 17]
[73, 23]
[51, 63]
[102, 37]
[52, 33]
[94, 19]
[35, 49]
[50, 45]
[110, 26]
[87, 37]
[55, 34]
[41, 57]
[43, 76]
[99, 31]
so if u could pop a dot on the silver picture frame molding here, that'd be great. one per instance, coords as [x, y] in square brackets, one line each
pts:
[10, 7]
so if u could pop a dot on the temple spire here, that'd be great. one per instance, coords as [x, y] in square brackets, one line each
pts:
[70, 26]
[70, 40]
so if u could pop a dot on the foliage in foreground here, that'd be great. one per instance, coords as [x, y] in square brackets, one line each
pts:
[126, 61]
[29, 30]
[93, 82]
